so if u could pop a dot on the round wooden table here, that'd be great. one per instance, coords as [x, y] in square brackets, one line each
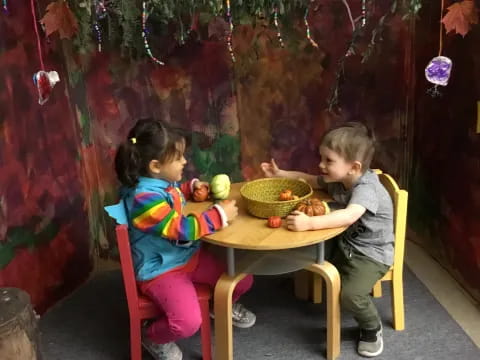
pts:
[266, 245]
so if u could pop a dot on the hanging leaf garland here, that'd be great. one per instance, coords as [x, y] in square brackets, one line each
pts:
[460, 17]
[60, 18]
[114, 22]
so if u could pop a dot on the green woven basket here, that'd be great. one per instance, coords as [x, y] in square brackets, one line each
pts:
[261, 196]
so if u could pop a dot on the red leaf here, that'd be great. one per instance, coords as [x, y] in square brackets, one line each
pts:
[60, 18]
[461, 15]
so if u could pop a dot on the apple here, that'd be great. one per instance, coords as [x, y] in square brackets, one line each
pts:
[200, 194]
[285, 195]
[220, 186]
[274, 221]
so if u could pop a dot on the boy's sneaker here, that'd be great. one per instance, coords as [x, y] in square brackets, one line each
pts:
[168, 351]
[241, 316]
[371, 342]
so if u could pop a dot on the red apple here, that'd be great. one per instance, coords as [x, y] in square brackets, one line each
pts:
[274, 221]
[200, 194]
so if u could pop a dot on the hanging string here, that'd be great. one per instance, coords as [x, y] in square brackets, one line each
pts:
[100, 9]
[144, 34]
[309, 37]
[438, 69]
[349, 14]
[275, 21]
[99, 36]
[100, 13]
[230, 33]
[364, 12]
[39, 45]
[440, 48]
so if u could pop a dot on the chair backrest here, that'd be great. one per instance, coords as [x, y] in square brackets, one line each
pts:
[126, 263]
[400, 202]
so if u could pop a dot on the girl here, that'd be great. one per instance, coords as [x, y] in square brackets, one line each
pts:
[167, 256]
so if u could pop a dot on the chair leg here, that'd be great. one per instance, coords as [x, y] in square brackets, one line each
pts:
[332, 279]
[135, 339]
[301, 283]
[398, 311]
[317, 289]
[205, 331]
[377, 289]
[223, 315]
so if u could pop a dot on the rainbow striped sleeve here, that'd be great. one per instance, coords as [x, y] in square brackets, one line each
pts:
[152, 213]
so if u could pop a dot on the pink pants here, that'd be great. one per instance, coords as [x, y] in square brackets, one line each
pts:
[175, 295]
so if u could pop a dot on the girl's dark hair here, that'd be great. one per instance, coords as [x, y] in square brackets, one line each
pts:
[148, 140]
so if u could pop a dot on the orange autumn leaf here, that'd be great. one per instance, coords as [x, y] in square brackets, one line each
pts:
[60, 18]
[461, 15]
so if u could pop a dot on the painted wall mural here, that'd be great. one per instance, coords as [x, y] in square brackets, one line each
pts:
[56, 160]
[445, 177]
[44, 247]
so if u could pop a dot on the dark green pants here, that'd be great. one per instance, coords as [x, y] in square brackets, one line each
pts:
[358, 274]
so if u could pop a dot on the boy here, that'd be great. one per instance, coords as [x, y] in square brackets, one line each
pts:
[364, 252]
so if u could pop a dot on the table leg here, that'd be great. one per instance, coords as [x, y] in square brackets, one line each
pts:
[320, 252]
[223, 315]
[332, 280]
[231, 262]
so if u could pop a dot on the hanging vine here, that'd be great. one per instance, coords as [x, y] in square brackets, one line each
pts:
[119, 22]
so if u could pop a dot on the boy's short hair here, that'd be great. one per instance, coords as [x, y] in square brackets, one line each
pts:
[353, 141]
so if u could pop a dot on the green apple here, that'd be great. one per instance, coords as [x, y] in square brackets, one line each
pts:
[220, 186]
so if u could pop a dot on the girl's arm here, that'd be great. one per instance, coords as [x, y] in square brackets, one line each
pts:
[298, 221]
[152, 213]
[188, 187]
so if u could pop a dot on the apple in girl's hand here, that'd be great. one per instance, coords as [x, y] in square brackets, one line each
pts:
[200, 194]
[274, 221]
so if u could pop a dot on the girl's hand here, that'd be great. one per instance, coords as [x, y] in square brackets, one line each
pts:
[270, 169]
[298, 221]
[230, 208]
[198, 184]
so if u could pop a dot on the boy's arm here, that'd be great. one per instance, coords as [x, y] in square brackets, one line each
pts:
[152, 213]
[271, 169]
[312, 180]
[298, 221]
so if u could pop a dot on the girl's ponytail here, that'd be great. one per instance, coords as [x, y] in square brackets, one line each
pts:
[127, 163]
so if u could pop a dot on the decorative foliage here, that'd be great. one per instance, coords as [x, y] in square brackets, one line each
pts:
[119, 21]
[60, 18]
[461, 15]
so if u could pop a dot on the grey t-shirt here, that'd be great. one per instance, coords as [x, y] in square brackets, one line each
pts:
[372, 234]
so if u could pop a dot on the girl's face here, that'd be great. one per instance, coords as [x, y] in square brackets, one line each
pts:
[334, 168]
[172, 170]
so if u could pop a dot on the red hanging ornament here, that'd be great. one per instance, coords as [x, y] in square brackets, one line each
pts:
[45, 81]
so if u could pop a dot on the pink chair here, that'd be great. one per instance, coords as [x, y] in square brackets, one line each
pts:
[140, 307]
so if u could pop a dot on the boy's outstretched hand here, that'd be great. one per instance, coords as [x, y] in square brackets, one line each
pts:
[298, 221]
[270, 169]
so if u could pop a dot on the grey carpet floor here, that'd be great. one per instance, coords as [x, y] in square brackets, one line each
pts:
[93, 324]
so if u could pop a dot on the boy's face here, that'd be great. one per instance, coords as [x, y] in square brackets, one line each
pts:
[334, 168]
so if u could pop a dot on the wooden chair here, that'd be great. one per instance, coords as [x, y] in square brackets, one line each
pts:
[310, 285]
[140, 307]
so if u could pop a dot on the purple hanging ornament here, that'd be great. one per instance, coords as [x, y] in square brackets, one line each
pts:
[438, 70]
